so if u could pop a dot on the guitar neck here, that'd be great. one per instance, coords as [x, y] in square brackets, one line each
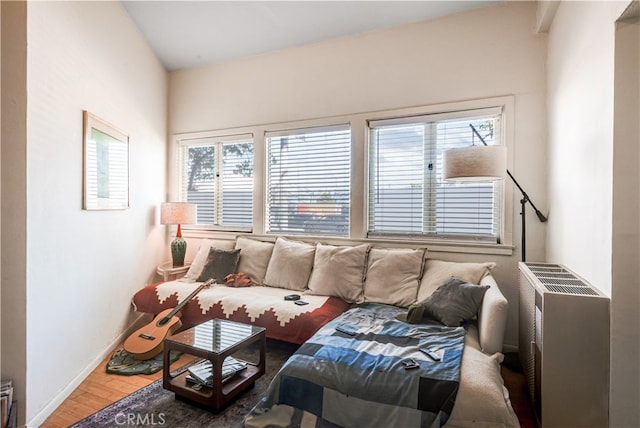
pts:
[189, 297]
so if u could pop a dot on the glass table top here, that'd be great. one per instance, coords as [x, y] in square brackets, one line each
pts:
[216, 335]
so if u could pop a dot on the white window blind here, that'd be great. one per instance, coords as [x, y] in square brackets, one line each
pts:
[217, 175]
[407, 196]
[309, 174]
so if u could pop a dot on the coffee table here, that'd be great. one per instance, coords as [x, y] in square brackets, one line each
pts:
[214, 340]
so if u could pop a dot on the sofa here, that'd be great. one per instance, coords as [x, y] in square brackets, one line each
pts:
[335, 281]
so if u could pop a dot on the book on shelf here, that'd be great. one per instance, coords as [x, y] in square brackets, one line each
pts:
[6, 400]
[13, 416]
[202, 372]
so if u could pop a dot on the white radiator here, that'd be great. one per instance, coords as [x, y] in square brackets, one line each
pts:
[564, 346]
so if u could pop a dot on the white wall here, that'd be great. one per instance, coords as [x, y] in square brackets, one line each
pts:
[580, 81]
[82, 267]
[483, 53]
[593, 177]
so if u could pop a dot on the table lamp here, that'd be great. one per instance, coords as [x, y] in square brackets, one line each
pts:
[178, 213]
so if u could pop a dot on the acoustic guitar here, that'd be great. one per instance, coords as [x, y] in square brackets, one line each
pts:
[146, 342]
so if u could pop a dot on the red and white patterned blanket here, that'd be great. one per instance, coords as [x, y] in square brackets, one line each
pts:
[257, 305]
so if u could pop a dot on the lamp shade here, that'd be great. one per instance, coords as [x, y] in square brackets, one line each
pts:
[475, 163]
[177, 213]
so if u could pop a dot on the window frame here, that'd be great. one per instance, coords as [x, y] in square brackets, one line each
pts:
[430, 203]
[218, 140]
[359, 177]
[310, 130]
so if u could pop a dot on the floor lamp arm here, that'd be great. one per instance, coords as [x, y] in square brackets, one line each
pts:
[526, 198]
[523, 203]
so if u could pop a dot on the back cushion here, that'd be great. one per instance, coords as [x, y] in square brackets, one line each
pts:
[290, 264]
[220, 263]
[254, 258]
[393, 275]
[339, 271]
[438, 272]
[203, 253]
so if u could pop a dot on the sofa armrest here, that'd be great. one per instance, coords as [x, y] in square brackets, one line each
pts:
[492, 317]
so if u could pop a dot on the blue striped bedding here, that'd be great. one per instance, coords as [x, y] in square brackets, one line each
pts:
[340, 379]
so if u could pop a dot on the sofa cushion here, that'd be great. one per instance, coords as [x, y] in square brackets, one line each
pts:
[437, 272]
[254, 258]
[220, 263]
[393, 275]
[482, 399]
[290, 264]
[339, 271]
[492, 317]
[198, 262]
[452, 303]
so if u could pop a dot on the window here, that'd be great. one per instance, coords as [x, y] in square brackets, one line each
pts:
[217, 175]
[308, 174]
[361, 176]
[407, 196]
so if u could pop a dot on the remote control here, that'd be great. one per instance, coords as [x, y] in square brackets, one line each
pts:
[300, 303]
[432, 354]
[292, 297]
[346, 329]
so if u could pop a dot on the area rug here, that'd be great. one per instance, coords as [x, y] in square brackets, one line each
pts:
[123, 363]
[155, 406]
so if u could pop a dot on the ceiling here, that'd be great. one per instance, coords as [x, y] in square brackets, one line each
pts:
[186, 34]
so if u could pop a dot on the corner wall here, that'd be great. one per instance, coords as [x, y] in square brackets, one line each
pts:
[625, 288]
[580, 104]
[13, 83]
[82, 267]
[593, 175]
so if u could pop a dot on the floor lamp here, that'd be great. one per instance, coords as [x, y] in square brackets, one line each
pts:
[485, 163]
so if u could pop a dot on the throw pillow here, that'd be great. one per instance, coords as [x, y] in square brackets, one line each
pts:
[290, 264]
[220, 263]
[393, 275]
[451, 304]
[254, 258]
[203, 253]
[437, 272]
[339, 271]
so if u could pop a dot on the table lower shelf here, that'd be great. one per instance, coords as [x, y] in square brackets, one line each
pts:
[208, 396]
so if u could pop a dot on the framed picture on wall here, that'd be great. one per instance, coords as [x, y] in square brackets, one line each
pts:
[106, 165]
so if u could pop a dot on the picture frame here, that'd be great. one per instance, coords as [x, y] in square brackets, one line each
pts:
[106, 165]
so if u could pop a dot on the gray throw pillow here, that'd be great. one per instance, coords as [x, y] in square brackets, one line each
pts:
[452, 303]
[220, 263]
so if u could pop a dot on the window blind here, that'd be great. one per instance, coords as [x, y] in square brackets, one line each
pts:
[407, 196]
[309, 174]
[217, 175]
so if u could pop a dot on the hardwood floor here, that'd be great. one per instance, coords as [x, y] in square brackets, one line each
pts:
[516, 383]
[101, 389]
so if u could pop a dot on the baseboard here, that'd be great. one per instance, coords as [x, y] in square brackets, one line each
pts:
[42, 416]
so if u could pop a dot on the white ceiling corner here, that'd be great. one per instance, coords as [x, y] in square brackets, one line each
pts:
[186, 34]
